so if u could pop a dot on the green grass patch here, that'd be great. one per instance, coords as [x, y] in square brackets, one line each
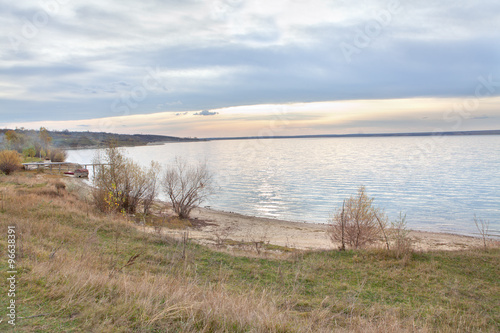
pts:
[32, 159]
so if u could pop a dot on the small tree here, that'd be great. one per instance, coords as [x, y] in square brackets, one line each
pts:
[10, 161]
[15, 140]
[11, 138]
[29, 152]
[122, 185]
[357, 223]
[151, 192]
[187, 186]
[45, 137]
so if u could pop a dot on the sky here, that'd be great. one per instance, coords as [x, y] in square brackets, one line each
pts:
[225, 68]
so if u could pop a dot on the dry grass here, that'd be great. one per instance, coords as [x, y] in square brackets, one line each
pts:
[69, 273]
[89, 272]
[150, 301]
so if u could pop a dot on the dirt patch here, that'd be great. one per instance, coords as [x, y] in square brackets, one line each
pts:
[199, 224]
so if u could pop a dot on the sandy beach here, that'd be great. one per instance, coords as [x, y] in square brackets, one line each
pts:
[215, 225]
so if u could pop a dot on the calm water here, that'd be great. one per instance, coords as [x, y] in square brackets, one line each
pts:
[440, 182]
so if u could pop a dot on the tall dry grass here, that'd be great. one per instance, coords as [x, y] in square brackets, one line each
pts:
[60, 246]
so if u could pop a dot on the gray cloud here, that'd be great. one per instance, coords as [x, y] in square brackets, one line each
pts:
[90, 54]
[206, 113]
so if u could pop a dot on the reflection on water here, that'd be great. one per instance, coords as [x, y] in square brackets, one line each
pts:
[438, 183]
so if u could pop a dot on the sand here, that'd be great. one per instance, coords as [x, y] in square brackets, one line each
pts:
[216, 225]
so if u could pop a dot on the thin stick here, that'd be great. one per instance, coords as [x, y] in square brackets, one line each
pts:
[383, 231]
[342, 223]
[35, 316]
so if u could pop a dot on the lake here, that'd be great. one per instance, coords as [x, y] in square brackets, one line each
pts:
[438, 182]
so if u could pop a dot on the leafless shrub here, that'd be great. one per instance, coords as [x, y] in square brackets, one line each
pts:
[187, 186]
[483, 227]
[400, 235]
[259, 238]
[357, 223]
[259, 245]
[10, 161]
[221, 235]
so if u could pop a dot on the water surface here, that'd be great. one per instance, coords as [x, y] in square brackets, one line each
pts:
[439, 182]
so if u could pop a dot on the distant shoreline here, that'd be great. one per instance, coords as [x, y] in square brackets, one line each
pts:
[369, 135]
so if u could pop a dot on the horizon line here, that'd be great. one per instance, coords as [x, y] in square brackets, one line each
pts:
[443, 133]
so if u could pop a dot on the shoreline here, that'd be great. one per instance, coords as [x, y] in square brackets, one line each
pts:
[216, 226]
[235, 227]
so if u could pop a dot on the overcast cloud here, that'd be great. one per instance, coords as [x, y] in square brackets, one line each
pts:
[72, 60]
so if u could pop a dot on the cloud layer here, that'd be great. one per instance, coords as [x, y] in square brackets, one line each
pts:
[73, 60]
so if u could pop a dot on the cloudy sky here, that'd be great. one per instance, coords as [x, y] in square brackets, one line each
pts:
[250, 67]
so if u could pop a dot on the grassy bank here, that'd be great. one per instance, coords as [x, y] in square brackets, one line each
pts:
[79, 270]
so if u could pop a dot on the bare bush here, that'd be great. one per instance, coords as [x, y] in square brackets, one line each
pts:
[357, 223]
[221, 236]
[10, 161]
[122, 185]
[483, 227]
[400, 236]
[187, 186]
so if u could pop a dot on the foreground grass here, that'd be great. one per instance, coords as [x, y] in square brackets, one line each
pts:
[79, 271]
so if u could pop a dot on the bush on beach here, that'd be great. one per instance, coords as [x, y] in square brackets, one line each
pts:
[402, 243]
[357, 223]
[187, 186]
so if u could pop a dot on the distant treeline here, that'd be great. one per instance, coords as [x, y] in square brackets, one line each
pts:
[67, 139]
[487, 132]
[33, 145]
